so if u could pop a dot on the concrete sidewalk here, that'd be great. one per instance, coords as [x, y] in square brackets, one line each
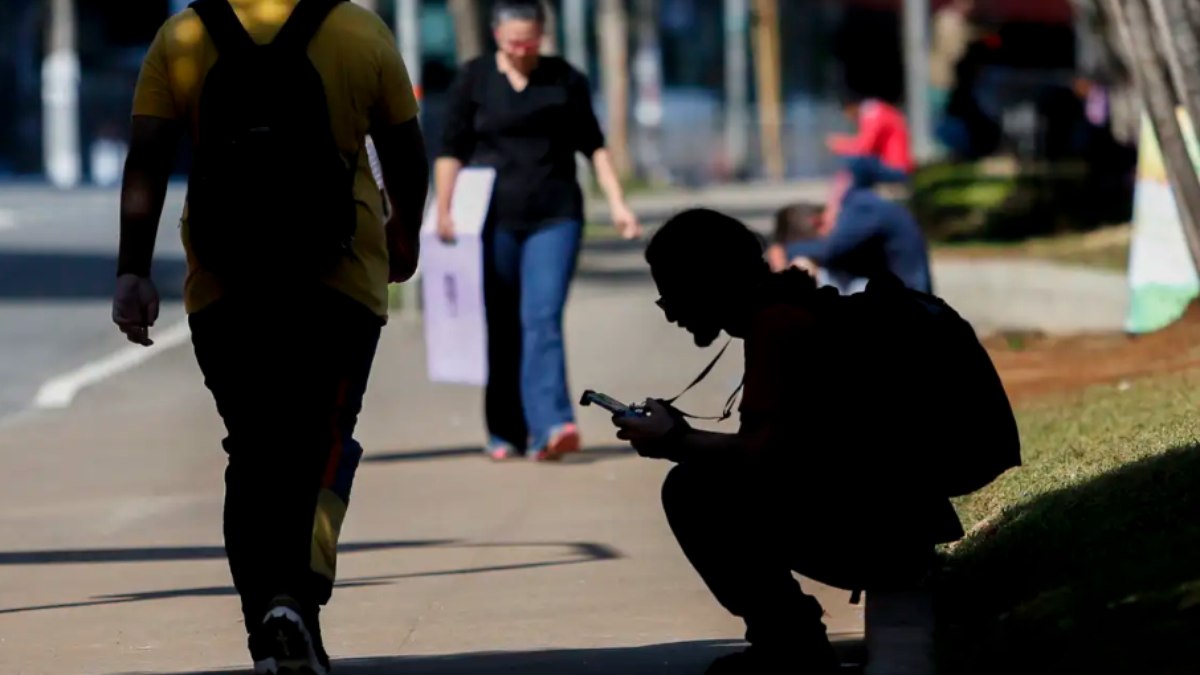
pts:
[110, 519]
[754, 203]
[113, 562]
[995, 295]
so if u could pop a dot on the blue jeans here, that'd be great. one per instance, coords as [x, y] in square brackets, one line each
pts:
[527, 275]
[868, 171]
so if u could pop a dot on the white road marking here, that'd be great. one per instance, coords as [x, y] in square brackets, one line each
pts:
[60, 391]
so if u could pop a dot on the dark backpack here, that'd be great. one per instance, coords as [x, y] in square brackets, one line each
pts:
[966, 432]
[270, 196]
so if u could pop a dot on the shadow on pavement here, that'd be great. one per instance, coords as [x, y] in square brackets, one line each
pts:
[665, 659]
[679, 658]
[179, 553]
[575, 553]
[28, 275]
[588, 456]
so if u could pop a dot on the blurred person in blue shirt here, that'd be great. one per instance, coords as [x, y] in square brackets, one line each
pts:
[871, 235]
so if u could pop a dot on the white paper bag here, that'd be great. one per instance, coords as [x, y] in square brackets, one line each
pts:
[452, 284]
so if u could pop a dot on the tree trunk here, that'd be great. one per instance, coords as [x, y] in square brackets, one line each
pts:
[550, 37]
[1192, 8]
[575, 26]
[468, 29]
[767, 66]
[613, 24]
[1137, 30]
[1111, 67]
[1182, 48]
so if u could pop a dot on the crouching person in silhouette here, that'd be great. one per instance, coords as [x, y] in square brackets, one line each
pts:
[814, 480]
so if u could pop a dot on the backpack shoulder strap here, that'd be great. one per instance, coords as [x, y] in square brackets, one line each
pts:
[223, 26]
[303, 24]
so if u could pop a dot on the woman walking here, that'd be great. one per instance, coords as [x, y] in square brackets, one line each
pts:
[527, 115]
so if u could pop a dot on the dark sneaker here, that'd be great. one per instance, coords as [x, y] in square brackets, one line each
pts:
[285, 645]
[812, 660]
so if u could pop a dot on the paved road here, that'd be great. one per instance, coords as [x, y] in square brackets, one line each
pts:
[57, 261]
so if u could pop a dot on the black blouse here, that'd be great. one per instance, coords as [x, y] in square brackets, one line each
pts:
[530, 137]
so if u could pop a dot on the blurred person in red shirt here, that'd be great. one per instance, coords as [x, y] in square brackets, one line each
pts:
[882, 136]
[880, 149]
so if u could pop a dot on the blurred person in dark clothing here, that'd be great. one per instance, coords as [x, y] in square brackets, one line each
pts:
[964, 127]
[528, 116]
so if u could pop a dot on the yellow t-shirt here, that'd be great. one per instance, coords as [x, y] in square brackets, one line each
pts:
[367, 86]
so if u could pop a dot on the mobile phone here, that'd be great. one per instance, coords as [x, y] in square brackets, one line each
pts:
[607, 402]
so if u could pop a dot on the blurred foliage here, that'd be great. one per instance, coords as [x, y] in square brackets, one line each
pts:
[1000, 199]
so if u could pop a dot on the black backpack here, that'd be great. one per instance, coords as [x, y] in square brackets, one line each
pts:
[270, 196]
[965, 426]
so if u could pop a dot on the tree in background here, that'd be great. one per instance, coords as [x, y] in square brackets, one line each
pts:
[1152, 46]
[468, 28]
[612, 22]
[550, 37]
[767, 65]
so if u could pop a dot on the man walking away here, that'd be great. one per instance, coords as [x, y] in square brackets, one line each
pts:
[289, 261]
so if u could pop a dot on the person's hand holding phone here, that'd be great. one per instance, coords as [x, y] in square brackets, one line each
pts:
[648, 431]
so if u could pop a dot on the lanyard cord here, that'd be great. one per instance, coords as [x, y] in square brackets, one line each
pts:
[727, 412]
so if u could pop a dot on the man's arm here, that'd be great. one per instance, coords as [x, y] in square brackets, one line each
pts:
[402, 158]
[144, 189]
[870, 128]
[660, 435]
[710, 446]
[405, 167]
[395, 129]
[856, 226]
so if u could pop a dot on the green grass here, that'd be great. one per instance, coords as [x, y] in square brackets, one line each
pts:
[1003, 198]
[395, 298]
[1088, 556]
